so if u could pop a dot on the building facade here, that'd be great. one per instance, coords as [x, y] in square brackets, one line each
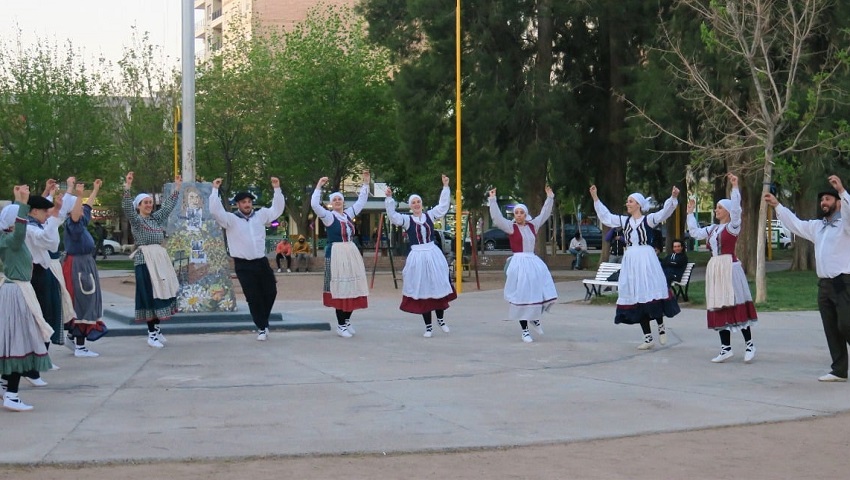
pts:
[215, 20]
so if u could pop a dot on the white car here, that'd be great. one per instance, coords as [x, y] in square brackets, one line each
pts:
[110, 247]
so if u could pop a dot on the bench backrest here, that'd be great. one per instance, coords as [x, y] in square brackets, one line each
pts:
[686, 276]
[605, 270]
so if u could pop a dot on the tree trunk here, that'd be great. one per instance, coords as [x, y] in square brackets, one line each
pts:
[761, 244]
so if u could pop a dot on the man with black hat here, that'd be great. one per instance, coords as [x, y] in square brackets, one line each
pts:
[831, 237]
[246, 240]
[42, 238]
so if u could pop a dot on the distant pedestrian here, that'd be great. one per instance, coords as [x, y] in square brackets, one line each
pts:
[831, 237]
[283, 251]
[246, 240]
[727, 293]
[426, 284]
[529, 287]
[643, 295]
[99, 237]
[345, 288]
[616, 245]
[156, 280]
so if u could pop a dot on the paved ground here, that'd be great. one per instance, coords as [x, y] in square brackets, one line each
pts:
[579, 402]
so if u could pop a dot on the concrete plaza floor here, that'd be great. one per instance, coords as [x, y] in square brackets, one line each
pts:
[388, 389]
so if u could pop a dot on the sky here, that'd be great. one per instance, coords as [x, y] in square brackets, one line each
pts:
[94, 27]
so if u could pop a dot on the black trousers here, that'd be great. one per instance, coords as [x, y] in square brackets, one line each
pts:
[834, 306]
[259, 286]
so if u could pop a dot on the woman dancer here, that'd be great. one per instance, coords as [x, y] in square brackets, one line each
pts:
[643, 291]
[727, 294]
[81, 277]
[426, 274]
[156, 282]
[529, 287]
[22, 326]
[345, 287]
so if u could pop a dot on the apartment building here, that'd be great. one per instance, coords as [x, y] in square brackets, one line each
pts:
[214, 19]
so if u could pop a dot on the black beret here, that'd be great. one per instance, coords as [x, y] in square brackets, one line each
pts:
[37, 201]
[830, 191]
[242, 196]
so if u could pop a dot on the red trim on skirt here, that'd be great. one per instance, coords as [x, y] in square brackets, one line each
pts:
[345, 304]
[425, 305]
[732, 316]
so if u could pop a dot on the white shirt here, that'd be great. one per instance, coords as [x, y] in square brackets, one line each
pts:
[41, 241]
[403, 220]
[529, 239]
[246, 239]
[832, 255]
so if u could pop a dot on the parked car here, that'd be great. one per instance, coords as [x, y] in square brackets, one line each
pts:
[110, 247]
[446, 241]
[495, 239]
[590, 233]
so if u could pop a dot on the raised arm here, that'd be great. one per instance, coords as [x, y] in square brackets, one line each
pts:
[127, 202]
[654, 219]
[546, 211]
[362, 197]
[844, 198]
[603, 214]
[394, 217]
[804, 228]
[442, 208]
[219, 214]
[496, 216]
[162, 214]
[278, 203]
[694, 230]
[316, 202]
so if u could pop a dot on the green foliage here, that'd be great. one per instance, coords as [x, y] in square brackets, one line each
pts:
[51, 124]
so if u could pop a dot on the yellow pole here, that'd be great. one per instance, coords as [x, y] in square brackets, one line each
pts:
[458, 197]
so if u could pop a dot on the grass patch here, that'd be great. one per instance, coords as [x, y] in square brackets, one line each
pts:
[115, 264]
[786, 291]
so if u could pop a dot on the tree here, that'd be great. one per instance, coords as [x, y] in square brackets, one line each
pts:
[50, 120]
[334, 113]
[775, 100]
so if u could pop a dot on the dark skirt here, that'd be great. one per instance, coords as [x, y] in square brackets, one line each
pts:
[656, 309]
[49, 299]
[83, 283]
[149, 308]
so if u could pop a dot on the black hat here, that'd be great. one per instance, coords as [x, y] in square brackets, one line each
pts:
[243, 195]
[830, 191]
[37, 201]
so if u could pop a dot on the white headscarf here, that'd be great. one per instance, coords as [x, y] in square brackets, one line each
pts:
[8, 216]
[522, 207]
[410, 198]
[645, 203]
[336, 194]
[139, 198]
[726, 204]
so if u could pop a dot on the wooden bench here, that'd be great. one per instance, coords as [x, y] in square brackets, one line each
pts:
[680, 287]
[595, 286]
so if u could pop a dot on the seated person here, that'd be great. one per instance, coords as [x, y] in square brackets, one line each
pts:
[674, 264]
[301, 251]
[578, 247]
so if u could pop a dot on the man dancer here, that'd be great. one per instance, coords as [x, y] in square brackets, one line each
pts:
[246, 240]
[831, 236]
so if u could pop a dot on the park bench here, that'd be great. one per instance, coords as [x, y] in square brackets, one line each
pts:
[680, 287]
[600, 281]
